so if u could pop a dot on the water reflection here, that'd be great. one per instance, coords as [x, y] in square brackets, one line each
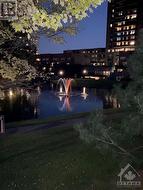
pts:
[66, 104]
[20, 103]
[112, 101]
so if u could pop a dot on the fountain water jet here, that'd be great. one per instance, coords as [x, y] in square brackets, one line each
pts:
[84, 94]
[65, 86]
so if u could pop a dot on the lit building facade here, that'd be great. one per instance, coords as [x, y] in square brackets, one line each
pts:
[125, 19]
[74, 63]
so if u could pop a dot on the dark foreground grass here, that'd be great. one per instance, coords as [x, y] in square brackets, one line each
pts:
[54, 159]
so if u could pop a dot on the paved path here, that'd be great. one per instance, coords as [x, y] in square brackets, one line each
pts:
[60, 123]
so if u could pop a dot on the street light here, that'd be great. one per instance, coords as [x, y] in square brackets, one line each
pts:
[61, 72]
[84, 71]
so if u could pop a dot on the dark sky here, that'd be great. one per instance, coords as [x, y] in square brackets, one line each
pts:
[92, 34]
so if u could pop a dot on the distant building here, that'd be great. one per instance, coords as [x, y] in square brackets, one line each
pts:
[125, 19]
[89, 63]
[95, 56]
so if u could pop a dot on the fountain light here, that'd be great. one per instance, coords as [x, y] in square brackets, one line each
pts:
[84, 94]
[61, 89]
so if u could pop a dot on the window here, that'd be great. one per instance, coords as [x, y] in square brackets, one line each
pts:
[119, 34]
[119, 38]
[132, 37]
[119, 28]
[132, 43]
[133, 26]
[118, 43]
[132, 32]
[133, 16]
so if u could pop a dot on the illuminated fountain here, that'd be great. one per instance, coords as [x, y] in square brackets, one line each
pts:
[65, 87]
[84, 94]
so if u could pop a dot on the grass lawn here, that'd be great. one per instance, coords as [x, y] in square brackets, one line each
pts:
[54, 159]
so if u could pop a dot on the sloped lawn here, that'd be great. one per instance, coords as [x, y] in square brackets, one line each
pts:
[54, 159]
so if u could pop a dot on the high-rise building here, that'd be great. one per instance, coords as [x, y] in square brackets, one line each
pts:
[125, 19]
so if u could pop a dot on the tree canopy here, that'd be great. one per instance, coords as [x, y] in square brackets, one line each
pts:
[51, 14]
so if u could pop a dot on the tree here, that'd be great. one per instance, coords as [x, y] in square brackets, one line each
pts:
[124, 134]
[16, 69]
[52, 15]
[17, 54]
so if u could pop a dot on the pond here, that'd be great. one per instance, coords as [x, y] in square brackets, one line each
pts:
[22, 104]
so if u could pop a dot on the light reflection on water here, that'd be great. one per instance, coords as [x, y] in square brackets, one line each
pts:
[21, 104]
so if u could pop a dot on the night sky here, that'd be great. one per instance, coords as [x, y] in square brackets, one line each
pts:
[92, 34]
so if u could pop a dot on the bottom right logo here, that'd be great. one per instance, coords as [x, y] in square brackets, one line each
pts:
[129, 177]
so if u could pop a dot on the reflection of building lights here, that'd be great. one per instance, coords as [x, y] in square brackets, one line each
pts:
[39, 90]
[22, 92]
[27, 95]
[84, 71]
[44, 68]
[61, 73]
[10, 93]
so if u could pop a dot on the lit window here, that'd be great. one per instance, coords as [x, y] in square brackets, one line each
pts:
[132, 43]
[119, 28]
[133, 16]
[119, 38]
[132, 32]
[135, 10]
[38, 59]
[129, 49]
[111, 25]
[119, 33]
[121, 13]
[133, 26]
[127, 27]
[118, 43]
[119, 23]
[132, 37]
